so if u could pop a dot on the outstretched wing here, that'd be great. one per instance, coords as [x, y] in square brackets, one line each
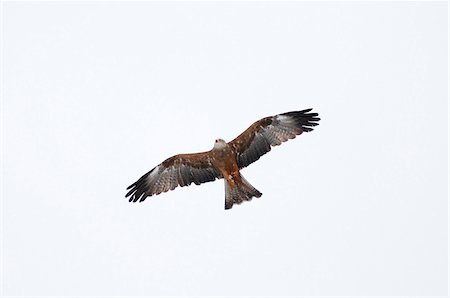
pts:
[271, 131]
[178, 170]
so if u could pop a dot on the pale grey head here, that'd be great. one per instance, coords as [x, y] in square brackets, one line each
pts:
[220, 144]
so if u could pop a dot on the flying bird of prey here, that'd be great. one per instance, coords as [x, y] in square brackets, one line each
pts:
[225, 160]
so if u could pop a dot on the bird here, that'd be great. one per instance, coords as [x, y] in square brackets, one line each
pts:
[225, 159]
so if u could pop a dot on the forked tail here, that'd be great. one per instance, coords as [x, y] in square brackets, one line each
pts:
[238, 192]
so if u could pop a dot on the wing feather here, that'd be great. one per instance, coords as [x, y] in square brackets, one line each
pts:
[179, 170]
[258, 139]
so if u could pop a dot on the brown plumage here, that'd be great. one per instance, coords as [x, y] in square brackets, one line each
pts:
[225, 159]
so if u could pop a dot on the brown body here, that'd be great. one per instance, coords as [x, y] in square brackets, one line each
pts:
[225, 159]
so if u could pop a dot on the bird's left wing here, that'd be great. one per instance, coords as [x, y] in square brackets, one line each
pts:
[257, 140]
[179, 170]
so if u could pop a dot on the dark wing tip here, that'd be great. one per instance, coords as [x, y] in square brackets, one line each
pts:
[131, 191]
[304, 118]
[305, 111]
[302, 113]
[137, 190]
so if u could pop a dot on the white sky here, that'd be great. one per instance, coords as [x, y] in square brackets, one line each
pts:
[96, 94]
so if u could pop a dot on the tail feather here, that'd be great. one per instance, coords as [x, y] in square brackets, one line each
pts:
[239, 192]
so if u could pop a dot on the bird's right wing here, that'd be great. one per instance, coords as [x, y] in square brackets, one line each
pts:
[178, 170]
[257, 140]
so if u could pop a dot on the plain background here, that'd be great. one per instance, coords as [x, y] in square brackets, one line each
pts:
[98, 93]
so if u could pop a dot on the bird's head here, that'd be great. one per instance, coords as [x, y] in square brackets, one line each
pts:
[219, 144]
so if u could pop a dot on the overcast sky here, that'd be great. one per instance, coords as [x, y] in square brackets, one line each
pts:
[96, 94]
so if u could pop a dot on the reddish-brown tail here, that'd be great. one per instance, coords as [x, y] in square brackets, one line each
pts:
[239, 192]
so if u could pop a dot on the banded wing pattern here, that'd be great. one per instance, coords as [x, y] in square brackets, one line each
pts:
[258, 139]
[179, 170]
